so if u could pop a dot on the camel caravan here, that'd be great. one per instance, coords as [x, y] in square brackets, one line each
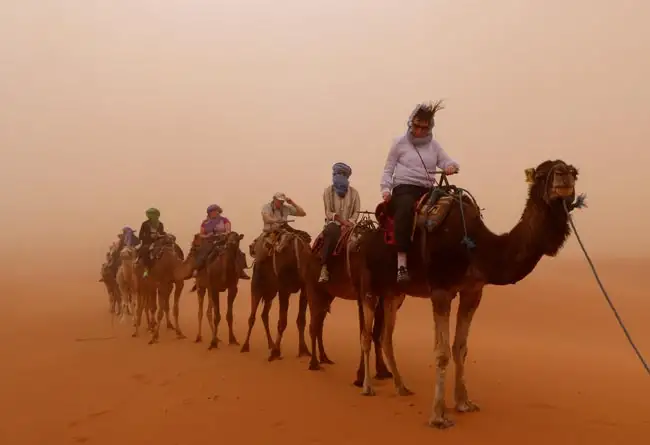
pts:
[425, 239]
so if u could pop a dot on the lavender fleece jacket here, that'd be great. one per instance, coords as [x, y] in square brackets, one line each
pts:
[404, 166]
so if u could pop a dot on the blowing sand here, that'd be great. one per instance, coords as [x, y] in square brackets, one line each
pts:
[547, 364]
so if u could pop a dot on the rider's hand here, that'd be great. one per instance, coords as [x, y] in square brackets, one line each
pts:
[289, 200]
[385, 196]
[451, 170]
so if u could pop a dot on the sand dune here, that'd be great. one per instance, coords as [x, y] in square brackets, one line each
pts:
[548, 364]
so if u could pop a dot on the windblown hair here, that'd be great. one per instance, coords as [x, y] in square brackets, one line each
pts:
[426, 112]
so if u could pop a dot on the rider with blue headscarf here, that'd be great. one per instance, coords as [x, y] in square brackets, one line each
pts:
[342, 205]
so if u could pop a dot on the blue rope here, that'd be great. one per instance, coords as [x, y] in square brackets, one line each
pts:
[580, 202]
[467, 241]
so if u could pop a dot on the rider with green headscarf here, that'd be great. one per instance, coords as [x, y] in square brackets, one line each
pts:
[149, 230]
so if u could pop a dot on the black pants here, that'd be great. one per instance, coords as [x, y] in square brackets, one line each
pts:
[331, 235]
[144, 256]
[403, 200]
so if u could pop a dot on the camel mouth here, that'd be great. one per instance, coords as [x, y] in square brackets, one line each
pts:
[564, 191]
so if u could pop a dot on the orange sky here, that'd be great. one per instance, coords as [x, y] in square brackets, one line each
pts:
[112, 107]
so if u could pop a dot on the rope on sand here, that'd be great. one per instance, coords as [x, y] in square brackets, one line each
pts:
[580, 202]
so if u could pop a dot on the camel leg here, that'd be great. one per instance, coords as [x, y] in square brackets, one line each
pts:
[213, 294]
[317, 311]
[441, 302]
[168, 320]
[200, 295]
[377, 329]
[391, 305]
[255, 303]
[369, 304]
[164, 291]
[360, 375]
[266, 309]
[301, 323]
[140, 307]
[283, 314]
[469, 301]
[232, 294]
[178, 289]
[320, 327]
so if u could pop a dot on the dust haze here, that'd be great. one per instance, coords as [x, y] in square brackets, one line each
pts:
[111, 107]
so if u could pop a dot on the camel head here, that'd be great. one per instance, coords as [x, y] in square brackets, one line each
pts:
[552, 182]
[127, 253]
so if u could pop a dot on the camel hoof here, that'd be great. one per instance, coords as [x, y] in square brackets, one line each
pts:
[214, 344]
[441, 423]
[314, 367]
[245, 348]
[275, 355]
[170, 326]
[383, 374]
[404, 391]
[303, 351]
[358, 382]
[233, 342]
[134, 335]
[326, 361]
[467, 407]
[180, 335]
[198, 339]
[152, 341]
[369, 391]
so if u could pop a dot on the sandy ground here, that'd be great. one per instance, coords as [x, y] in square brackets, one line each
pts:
[547, 364]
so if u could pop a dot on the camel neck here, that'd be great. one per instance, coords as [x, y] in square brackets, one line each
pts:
[513, 255]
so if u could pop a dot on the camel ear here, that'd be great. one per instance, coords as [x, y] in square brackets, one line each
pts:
[241, 236]
[530, 175]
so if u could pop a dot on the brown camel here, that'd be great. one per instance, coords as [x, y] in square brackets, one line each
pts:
[167, 273]
[222, 274]
[458, 254]
[346, 267]
[276, 273]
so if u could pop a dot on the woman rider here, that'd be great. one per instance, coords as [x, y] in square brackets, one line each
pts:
[150, 229]
[214, 224]
[408, 175]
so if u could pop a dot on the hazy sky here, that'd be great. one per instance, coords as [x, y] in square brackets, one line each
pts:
[110, 107]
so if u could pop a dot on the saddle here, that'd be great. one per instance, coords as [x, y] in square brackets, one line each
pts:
[430, 212]
[161, 244]
[341, 245]
[217, 244]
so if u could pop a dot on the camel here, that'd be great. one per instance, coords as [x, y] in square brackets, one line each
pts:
[346, 268]
[167, 273]
[458, 254]
[221, 275]
[126, 280]
[114, 301]
[276, 273]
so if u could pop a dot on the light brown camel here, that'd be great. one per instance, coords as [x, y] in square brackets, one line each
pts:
[460, 255]
[275, 272]
[222, 274]
[112, 289]
[126, 281]
[167, 273]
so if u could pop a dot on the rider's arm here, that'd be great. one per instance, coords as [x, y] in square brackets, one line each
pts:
[295, 209]
[327, 202]
[356, 206]
[386, 183]
[444, 160]
[227, 226]
[161, 227]
[267, 215]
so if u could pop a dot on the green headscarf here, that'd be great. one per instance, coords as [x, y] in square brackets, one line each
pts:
[153, 215]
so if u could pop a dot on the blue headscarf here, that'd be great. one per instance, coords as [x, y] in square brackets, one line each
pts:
[128, 236]
[341, 178]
